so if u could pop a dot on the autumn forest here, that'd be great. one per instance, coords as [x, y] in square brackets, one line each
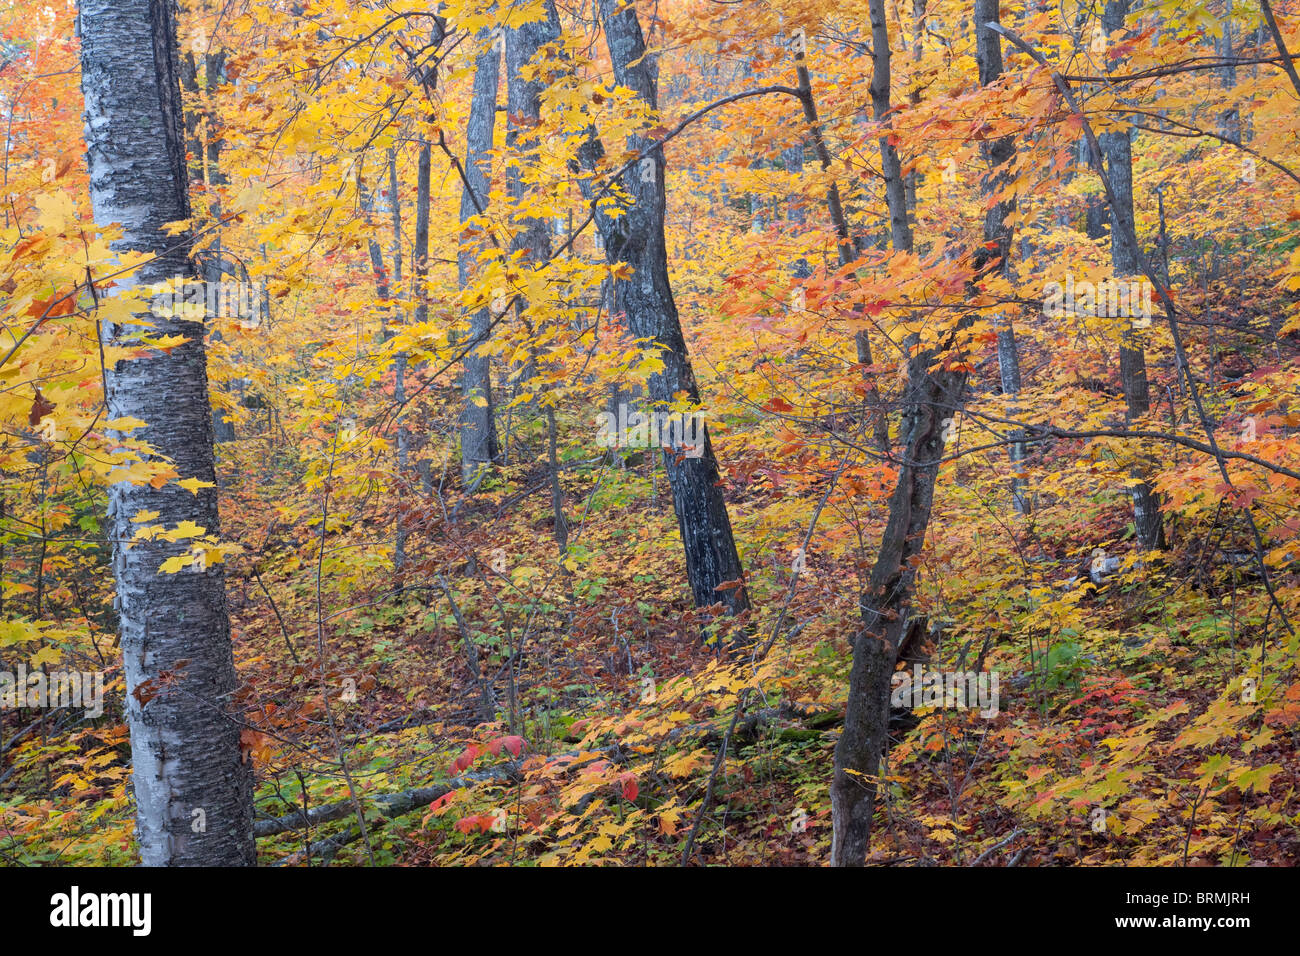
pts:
[650, 433]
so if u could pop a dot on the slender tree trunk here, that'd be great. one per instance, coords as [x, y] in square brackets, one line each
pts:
[401, 361]
[420, 265]
[396, 198]
[999, 155]
[205, 166]
[913, 179]
[646, 300]
[1118, 151]
[1267, 9]
[419, 280]
[891, 167]
[193, 792]
[532, 236]
[383, 292]
[1230, 118]
[843, 243]
[932, 399]
[883, 604]
[478, 436]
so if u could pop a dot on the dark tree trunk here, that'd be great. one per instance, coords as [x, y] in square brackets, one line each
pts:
[884, 603]
[646, 302]
[999, 154]
[845, 250]
[420, 256]
[193, 792]
[1118, 151]
[932, 398]
[891, 167]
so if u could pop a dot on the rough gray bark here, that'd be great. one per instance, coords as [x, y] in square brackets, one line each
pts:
[1118, 152]
[193, 793]
[646, 302]
[478, 435]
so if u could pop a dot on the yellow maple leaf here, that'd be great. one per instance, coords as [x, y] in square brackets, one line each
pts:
[46, 655]
[186, 529]
[174, 565]
[125, 424]
[192, 485]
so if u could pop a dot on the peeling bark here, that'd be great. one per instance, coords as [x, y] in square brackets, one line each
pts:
[193, 793]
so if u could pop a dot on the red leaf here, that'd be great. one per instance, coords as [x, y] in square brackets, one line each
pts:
[514, 743]
[628, 780]
[466, 759]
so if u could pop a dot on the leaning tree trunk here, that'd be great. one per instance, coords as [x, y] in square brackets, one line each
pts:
[843, 243]
[646, 300]
[932, 398]
[478, 435]
[1118, 152]
[193, 792]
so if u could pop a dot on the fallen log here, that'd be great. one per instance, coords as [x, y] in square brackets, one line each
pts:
[396, 804]
[389, 804]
